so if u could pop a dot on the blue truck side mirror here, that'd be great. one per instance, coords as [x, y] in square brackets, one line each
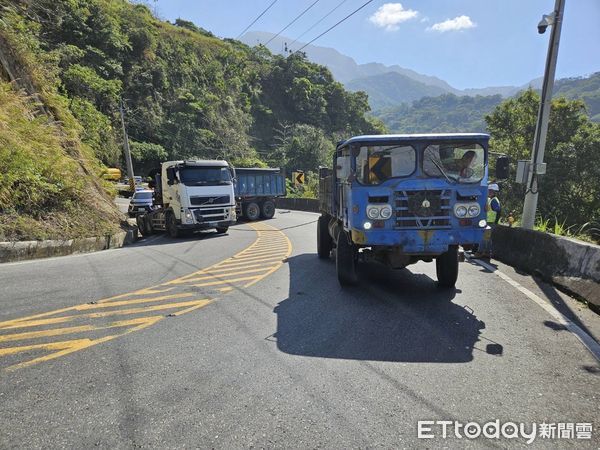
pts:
[502, 167]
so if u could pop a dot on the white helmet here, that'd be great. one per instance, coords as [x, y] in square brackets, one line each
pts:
[493, 187]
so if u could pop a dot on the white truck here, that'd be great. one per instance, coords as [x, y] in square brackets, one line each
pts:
[189, 196]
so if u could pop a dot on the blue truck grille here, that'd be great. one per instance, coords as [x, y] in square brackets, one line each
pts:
[423, 209]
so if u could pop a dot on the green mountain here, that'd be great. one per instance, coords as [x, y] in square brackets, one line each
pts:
[445, 113]
[448, 112]
[583, 88]
[392, 88]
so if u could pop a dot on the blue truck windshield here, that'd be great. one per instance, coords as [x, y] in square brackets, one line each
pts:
[457, 162]
[377, 163]
[202, 176]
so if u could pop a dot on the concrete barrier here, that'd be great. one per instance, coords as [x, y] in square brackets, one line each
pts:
[24, 250]
[571, 264]
[298, 204]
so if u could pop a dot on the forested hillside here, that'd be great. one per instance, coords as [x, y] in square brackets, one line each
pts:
[186, 94]
[392, 88]
[449, 112]
[582, 88]
[445, 113]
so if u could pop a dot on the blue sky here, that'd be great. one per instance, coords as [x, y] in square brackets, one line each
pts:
[468, 43]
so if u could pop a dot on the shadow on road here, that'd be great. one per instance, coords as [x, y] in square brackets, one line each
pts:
[390, 316]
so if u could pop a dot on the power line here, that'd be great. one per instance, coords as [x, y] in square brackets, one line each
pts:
[319, 21]
[332, 27]
[292, 22]
[255, 20]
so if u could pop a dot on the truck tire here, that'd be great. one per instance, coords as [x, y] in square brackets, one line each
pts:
[324, 240]
[446, 267]
[252, 211]
[172, 226]
[267, 209]
[222, 230]
[148, 224]
[141, 225]
[345, 260]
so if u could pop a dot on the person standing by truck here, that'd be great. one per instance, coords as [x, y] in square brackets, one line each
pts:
[494, 207]
[493, 211]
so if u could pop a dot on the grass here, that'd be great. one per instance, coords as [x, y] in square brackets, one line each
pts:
[48, 187]
[587, 232]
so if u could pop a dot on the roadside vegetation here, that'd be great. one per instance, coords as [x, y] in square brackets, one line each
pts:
[187, 94]
[569, 199]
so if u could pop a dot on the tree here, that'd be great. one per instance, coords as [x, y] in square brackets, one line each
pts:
[570, 190]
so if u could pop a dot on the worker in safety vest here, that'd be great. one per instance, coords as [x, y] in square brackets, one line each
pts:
[494, 208]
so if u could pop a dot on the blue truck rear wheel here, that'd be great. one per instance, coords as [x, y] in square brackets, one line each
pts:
[324, 240]
[345, 260]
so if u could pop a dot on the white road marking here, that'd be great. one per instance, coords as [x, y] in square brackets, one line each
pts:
[588, 341]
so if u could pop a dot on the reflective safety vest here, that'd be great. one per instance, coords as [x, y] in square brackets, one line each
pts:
[491, 214]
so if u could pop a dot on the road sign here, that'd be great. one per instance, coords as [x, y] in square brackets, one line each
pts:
[298, 178]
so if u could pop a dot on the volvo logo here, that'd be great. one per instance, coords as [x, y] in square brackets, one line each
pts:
[426, 204]
[211, 200]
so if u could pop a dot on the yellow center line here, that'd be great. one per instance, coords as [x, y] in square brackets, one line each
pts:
[230, 281]
[97, 315]
[261, 258]
[86, 306]
[218, 271]
[242, 262]
[219, 276]
[71, 330]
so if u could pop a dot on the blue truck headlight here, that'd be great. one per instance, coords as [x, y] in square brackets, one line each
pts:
[375, 212]
[470, 210]
[385, 212]
[460, 211]
[474, 211]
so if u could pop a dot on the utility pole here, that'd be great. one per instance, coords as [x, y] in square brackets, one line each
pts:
[537, 166]
[126, 149]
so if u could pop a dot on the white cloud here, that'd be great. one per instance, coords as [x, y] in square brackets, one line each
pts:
[390, 15]
[456, 24]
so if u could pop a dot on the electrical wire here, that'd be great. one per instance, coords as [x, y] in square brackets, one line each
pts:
[332, 27]
[255, 20]
[318, 22]
[292, 22]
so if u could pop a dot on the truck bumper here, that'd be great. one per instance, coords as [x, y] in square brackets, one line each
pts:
[206, 225]
[418, 242]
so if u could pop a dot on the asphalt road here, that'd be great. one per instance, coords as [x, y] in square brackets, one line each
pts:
[247, 340]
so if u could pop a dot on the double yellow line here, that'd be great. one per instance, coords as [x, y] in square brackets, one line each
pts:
[30, 340]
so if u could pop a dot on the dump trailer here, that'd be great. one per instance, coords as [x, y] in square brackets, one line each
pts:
[189, 196]
[399, 199]
[256, 191]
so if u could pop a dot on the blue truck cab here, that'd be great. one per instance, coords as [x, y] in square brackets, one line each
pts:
[399, 199]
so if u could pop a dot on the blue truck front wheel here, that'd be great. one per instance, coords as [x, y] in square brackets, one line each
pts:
[446, 267]
[345, 259]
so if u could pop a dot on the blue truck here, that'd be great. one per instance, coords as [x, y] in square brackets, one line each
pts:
[399, 199]
[256, 190]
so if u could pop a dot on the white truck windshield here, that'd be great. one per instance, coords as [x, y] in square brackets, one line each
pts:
[202, 176]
